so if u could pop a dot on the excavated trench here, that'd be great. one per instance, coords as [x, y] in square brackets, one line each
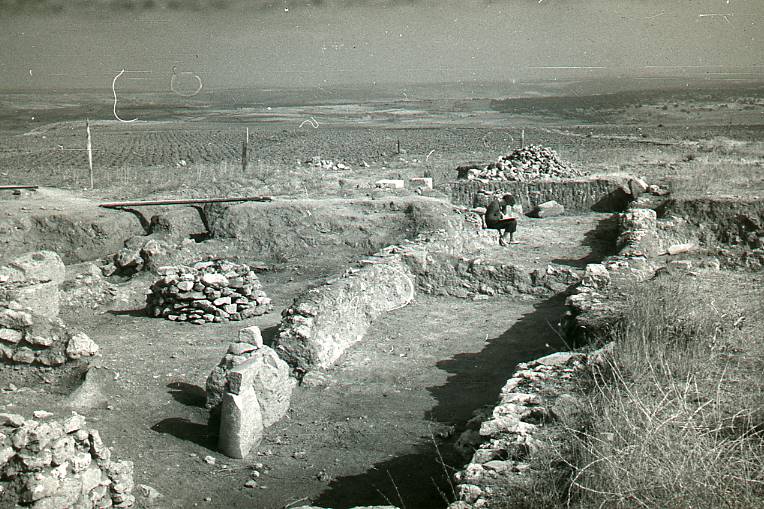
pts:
[381, 424]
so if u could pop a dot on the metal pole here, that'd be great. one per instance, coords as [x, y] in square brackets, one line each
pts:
[190, 201]
[18, 187]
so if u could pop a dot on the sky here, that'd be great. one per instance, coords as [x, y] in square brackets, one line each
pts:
[62, 44]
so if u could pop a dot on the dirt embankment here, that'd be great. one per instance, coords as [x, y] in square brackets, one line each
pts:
[282, 230]
[75, 228]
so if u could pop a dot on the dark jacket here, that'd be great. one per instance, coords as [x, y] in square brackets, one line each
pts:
[495, 212]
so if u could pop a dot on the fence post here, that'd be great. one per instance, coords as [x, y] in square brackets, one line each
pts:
[244, 149]
[90, 152]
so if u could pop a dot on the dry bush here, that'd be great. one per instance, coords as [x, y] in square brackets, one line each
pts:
[676, 415]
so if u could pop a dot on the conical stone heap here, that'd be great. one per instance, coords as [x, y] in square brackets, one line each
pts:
[527, 164]
[208, 291]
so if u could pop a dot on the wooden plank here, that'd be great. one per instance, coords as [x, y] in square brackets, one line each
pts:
[19, 187]
[191, 201]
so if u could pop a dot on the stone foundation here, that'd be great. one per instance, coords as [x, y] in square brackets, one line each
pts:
[602, 194]
[54, 464]
[538, 399]
[323, 322]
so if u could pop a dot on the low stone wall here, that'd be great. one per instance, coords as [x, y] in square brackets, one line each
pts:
[324, 321]
[30, 331]
[54, 464]
[208, 291]
[533, 406]
[32, 280]
[603, 194]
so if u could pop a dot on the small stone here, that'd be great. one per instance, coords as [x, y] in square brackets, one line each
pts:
[210, 460]
[251, 335]
[214, 280]
[10, 335]
[250, 484]
[240, 348]
[548, 209]
[185, 286]
[73, 423]
[42, 414]
[80, 345]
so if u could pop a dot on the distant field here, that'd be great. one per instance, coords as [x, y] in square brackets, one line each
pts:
[179, 146]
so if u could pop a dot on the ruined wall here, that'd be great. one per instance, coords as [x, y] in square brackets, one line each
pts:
[534, 405]
[605, 194]
[30, 331]
[54, 464]
[323, 322]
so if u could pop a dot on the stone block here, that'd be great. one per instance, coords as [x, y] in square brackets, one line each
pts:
[38, 266]
[241, 423]
[41, 298]
[269, 376]
[390, 184]
[596, 276]
[548, 209]
[252, 335]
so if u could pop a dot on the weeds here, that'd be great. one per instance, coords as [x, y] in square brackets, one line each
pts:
[676, 413]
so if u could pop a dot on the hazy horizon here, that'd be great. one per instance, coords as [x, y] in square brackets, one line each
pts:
[232, 44]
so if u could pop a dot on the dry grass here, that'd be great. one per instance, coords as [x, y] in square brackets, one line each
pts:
[677, 414]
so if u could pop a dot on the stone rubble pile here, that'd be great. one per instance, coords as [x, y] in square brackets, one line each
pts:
[135, 258]
[60, 464]
[325, 164]
[208, 291]
[526, 164]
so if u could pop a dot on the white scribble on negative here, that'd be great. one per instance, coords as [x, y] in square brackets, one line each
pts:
[30, 72]
[726, 16]
[114, 91]
[428, 155]
[174, 77]
[312, 121]
[656, 15]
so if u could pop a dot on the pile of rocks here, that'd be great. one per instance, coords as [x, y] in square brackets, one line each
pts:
[526, 164]
[140, 254]
[208, 291]
[53, 464]
[28, 338]
[326, 164]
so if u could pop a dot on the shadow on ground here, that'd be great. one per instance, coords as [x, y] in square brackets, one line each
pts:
[601, 240]
[188, 394]
[422, 479]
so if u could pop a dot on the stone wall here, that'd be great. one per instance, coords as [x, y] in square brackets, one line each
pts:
[28, 338]
[604, 194]
[32, 280]
[30, 331]
[54, 464]
[534, 406]
[323, 322]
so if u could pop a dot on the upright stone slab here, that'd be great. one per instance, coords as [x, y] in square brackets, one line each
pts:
[268, 375]
[241, 423]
